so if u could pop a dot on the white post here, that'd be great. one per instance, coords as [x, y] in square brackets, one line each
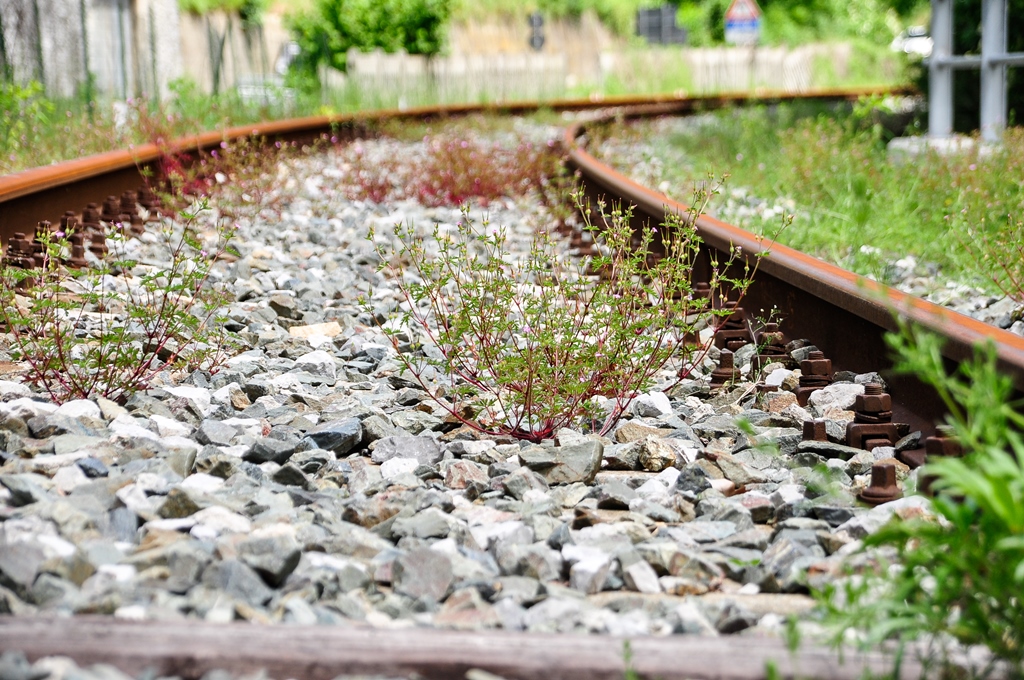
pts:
[940, 75]
[993, 71]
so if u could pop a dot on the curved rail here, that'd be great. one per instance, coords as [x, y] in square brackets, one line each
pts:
[844, 314]
[44, 193]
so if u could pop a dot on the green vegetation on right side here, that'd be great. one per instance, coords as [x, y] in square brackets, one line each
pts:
[956, 579]
[853, 205]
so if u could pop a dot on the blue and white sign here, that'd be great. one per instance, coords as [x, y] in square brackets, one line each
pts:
[743, 23]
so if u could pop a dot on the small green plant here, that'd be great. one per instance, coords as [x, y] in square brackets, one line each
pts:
[530, 344]
[107, 330]
[1001, 253]
[960, 577]
[24, 113]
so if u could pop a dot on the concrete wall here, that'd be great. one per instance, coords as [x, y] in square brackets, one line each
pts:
[43, 41]
[131, 47]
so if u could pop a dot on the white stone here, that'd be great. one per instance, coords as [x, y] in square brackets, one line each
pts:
[126, 426]
[221, 520]
[573, 553]
[26, 408]
[641, 577]
[173, 524]
[199, 396]
[653, 489]
[135, 499]
[79, 408]
[669, 476]
[787, 494]
[9, 388]
[202, 483]
[589, 575]
[319, 363]
[47, 463]
[836, 395]
[777, 376]
[69, 477]
[183, 443]
[873, 520]
[169, 427]
[724, 486]
[395, 467]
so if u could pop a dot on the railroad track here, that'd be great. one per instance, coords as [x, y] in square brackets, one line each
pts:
[843, 314]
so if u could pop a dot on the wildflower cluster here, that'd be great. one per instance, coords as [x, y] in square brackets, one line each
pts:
[524, 346]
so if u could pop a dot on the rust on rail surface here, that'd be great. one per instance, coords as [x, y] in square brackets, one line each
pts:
[188, 649]
[44, 193]
[844, 314]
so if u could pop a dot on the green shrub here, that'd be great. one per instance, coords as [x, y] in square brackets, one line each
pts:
[333, 27]
[526, 345]
[959, 578]
[106, 330]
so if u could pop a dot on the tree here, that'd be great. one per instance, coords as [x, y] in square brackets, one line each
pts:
[335, 26]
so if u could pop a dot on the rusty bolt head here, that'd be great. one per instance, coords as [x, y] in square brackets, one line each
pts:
[816, 364]
[943, 446]
[883, 486]
[814, 430]
[872, 403]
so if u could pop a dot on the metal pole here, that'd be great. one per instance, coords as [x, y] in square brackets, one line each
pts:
[940, 76]
[993, 73]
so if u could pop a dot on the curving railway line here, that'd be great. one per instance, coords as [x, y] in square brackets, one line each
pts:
[844, 315]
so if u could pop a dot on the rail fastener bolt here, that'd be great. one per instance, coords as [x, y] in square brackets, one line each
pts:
[726, 373]
[883, 487]
[872, 424]
[815, 373]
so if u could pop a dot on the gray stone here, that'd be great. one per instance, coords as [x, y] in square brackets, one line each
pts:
[415, 422]
[423, 573]
[828, 449]
[835, 396]
[521, 480]
[428, 523]
[237, 580]
[377, 427]
[289, 475]
[271, 449]
[614, 495]
[623, 456]
[692, 481]
[272, 553]
[641, 577]
[215, 432]
[26, 488]
[576, 463]
[423, 449]
[339, 436]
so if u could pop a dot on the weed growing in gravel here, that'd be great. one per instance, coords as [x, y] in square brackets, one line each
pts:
[107, 330]
[526, 346]
[959, 578]
[452, 170]
[1000, 253]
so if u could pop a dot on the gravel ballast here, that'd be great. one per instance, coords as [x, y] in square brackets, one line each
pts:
[311, 481]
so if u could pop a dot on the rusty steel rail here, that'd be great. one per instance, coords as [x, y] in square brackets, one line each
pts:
[44, 193]
[844, 314]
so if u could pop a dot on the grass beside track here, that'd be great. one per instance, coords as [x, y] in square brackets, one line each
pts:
[853, 205]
